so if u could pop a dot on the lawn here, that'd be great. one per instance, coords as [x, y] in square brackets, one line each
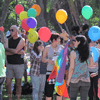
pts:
[23, 97]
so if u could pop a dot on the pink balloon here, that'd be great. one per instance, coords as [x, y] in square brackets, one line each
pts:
[2, 29]
[24, 25]
[44, 34]
[19, 8]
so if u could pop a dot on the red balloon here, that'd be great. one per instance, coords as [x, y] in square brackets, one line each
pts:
[19, 8]
[44, 34]
[2, 29]
[24, 25]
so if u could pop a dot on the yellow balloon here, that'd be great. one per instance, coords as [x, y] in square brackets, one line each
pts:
[33, 36]
[31, 29]
[23, 15]
[61, 16]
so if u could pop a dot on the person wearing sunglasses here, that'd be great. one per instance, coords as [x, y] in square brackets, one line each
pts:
[15, 64]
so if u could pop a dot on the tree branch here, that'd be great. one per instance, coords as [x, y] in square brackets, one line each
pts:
[4, 11]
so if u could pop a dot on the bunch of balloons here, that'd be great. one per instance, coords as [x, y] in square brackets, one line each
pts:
[61, 16]
[87, 12]
[28, 21]
[2, 29]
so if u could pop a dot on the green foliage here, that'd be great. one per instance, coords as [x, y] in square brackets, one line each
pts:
[11, 15]
[50, 4]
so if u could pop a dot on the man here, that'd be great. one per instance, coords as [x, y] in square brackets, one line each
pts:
[15, 65]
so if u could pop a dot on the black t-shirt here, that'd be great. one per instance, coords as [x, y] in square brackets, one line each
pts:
[16, 58]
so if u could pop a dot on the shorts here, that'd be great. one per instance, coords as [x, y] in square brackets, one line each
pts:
[49, 88]
[16, 71]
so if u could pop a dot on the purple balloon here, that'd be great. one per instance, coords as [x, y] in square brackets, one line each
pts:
[31, 22]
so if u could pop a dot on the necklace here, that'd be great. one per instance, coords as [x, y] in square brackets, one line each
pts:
[54, 48]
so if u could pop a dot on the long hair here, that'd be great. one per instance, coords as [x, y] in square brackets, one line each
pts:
[83, 48]
[35, 48]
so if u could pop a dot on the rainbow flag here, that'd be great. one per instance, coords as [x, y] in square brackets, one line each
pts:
[58, 73]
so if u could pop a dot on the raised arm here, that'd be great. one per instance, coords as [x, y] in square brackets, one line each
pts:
[45, 53]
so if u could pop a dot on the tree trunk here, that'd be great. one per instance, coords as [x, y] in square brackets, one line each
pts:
[55, 10]
[65, 22]
[99, 22]
[73, 10]
[77, 11]
[4, 11]
[40, 19]
[45, 13]
[82, 5]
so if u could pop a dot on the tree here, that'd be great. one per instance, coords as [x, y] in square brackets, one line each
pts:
[41, 20]
[4, 11]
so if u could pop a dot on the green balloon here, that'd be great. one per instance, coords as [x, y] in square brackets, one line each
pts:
[2, 55]
[32, 12]
[87, 12]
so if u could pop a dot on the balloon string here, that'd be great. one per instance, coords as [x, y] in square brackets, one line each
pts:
[25, 41]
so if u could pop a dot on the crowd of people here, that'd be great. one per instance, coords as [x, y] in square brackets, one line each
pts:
[82, 74]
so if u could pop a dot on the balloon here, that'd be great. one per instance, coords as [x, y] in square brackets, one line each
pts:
[94, 33]
[31, 29]
[33, 36]
[87, 12]
[95, 53]
[61, 16]
[37, 8]
[44, 34]
[2, 29]
[2, 55]
[23, 15]
[31, 22]
[32, 12]
[19, 8]
[24, 25]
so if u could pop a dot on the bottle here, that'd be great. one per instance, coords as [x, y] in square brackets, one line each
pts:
[99, 92]
[22, 55]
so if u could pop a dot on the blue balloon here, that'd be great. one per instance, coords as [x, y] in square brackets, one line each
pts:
[94, 33]
[95, 53]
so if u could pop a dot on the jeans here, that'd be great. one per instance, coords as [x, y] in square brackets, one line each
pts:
[38, 84]
[81, 86]
[1, 86]
[94, 83]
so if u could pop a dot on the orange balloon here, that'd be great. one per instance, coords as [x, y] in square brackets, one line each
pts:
[37, 8]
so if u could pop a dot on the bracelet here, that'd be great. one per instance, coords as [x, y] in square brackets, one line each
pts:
[47, 60]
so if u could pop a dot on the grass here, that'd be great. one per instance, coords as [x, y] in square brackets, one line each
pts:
[23, 97]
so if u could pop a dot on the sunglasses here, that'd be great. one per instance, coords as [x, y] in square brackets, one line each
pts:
[73, 40]
[11, 30]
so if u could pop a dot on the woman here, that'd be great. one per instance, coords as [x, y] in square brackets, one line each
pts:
[2, 70]
[50, 54]
[93, 69]
[78, 77]
[36, 78]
